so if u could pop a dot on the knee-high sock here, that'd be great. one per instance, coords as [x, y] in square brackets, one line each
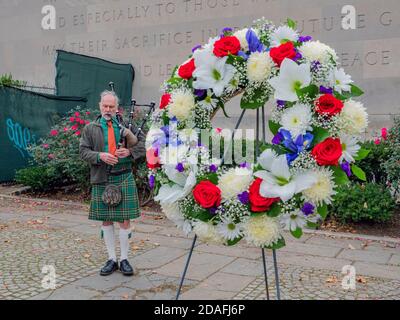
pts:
[109, 239]
[124, 242]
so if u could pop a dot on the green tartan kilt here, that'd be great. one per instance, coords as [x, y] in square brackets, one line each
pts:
[128, 209]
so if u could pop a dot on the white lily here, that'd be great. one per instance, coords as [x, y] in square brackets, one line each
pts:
[168, 194]
[291, 78]
[212, 72]
[278, 182]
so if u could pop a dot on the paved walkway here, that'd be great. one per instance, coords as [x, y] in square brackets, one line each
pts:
[38, 233]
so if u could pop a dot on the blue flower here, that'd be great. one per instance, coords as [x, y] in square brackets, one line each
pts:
[254, 42]
[308, 208]
[302, 142]
[346, 168]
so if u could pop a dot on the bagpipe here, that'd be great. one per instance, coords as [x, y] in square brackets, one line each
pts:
[129, 125]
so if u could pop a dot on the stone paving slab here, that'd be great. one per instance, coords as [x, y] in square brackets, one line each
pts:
[366, 256]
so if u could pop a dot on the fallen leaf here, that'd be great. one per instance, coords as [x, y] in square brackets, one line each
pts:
[361, 279]
[87, 255]
[331, 279]
[351, 247]
[125, 296]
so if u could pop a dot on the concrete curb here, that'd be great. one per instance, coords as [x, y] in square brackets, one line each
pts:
[331, 234]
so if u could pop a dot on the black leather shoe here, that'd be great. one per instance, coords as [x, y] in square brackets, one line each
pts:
[126, 268]
[109, 268]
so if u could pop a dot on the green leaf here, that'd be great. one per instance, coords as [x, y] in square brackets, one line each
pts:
[297, 233]
[221, 105]
[233, 242]
[291, 23]
[274, 211]
[311, 91]
[274, 127]
[340, 176]
[277, 245]
[362, 154]
[320, 135]
[358, 172]
[323, 211]
[312, 225]
[202, 215]
[255, 100]
[231, 59]
[354, 92]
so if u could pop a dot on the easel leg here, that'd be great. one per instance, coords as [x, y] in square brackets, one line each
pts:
[186, 267]
[265, 273]
[278, 290]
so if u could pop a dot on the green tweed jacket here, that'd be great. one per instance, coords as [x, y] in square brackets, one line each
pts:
[92, 144]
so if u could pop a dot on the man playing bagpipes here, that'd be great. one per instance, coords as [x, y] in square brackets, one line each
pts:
[109, 149]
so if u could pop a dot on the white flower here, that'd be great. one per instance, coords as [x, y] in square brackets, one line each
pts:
[209, 103]
[173, 154]
[234, 181]
[277, 179]
[317, 51]
[261, 231]
[189, 135]
[259, 66]
[211, 72]
[173, 213]
[354, 118]
[292, 76]
[340, 80]
[297, 119]
[241, 36]
[181, 105]
[170, 194]
[324, 188]
[228, 229]
[350, 148]
[294, 220]
[282, 34]
[207, 232]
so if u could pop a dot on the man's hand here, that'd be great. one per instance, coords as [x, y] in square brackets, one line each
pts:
[122, 153]
[108, 158]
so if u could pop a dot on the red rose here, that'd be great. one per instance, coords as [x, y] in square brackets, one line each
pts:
[328, 152]
[285, 50]
[186, 70]
[165, 100]
[257, 202]
[207, 194]
[328, 105]
[153, 161]
[226, 45]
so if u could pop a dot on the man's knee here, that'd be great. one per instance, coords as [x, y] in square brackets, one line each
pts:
[125, 225]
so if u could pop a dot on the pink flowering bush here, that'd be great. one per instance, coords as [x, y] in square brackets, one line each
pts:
[57, 155]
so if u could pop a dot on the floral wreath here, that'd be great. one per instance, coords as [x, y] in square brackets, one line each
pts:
[316, 123]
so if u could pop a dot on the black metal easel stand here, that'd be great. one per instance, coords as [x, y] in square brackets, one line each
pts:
[278, 293]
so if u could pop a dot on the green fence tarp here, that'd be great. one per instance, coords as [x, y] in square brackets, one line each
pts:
[25, 117]
[84, 76]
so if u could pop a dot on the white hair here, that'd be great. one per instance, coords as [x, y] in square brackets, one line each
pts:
[111, 93]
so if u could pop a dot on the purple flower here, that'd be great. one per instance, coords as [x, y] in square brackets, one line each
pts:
[308, 208]
[213, 211]
[281, 103]
[298, 56]
[244, 197]
[255, 45]
[245, 165]
[346, 168]
[305, 38]
[225, 31]
[213, 168]
[278, 138]
[152, 182]
[325, 90]
[179, 167]
[243, 55]
[196, 47]
[200, 93]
